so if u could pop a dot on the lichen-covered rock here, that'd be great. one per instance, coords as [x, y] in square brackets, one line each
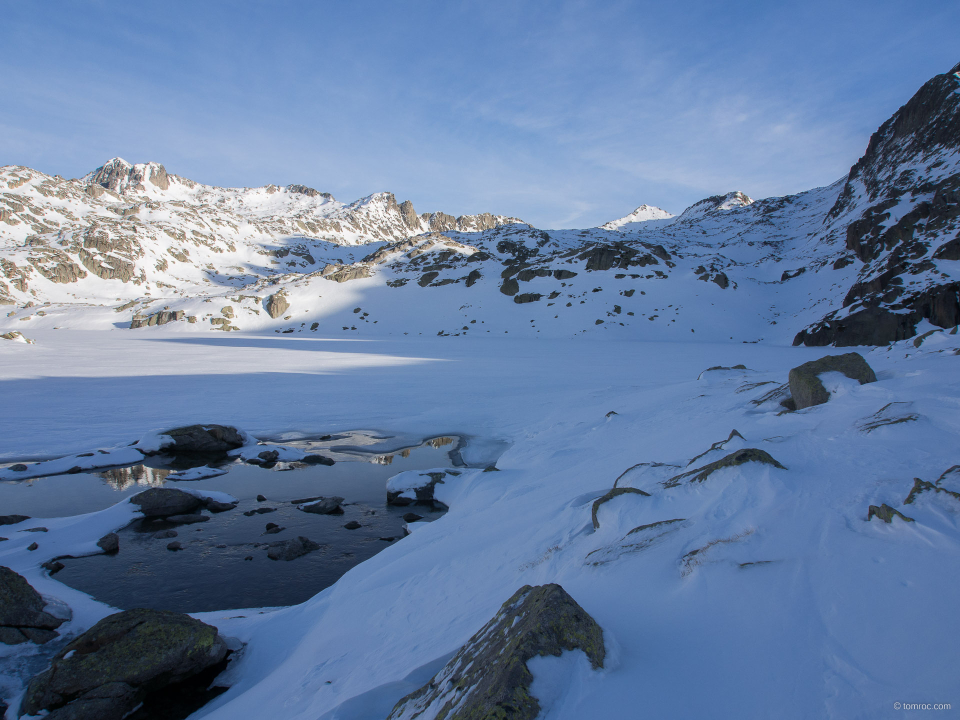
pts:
[488, 678]
[22, 616]
[105, 672]
[805, 385]
[886, 513]
[732, 460]
[162, 502]
[277, 304]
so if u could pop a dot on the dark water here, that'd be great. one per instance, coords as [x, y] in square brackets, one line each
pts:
[224, 561]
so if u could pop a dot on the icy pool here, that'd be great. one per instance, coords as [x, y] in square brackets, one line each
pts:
[224, 563]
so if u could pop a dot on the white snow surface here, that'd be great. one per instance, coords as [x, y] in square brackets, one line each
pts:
[793, 605]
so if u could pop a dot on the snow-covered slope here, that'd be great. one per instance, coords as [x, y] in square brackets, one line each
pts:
[860, 262]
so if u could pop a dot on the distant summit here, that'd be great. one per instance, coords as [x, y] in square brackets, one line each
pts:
[644, 213]
[715, 204]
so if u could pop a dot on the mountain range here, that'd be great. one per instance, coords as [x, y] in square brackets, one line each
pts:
[868, 260]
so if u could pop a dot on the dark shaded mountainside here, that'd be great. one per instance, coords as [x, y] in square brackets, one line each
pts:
[871, 259]
[901, 203]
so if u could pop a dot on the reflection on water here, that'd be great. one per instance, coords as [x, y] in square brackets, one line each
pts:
[123, 478]
[223, 563]
[439, 442]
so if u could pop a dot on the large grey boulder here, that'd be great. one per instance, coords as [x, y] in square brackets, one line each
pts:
[22, 617]
[805, 385]
[162, 502]
[105, 672]
[488, 677]
[277, 304]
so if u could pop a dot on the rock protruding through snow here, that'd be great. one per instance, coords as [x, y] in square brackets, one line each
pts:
[105, 672]
[488, 677]
[805, 385]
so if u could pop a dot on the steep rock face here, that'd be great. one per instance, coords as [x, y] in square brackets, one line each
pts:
[900, 207]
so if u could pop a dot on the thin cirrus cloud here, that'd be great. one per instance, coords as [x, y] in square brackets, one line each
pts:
[563, 113]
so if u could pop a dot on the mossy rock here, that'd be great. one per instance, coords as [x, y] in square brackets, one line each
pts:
[610, 495]
[740, 457]
[488, 678]
[106, 671]
[805, 385]
[921, 486]
[886, 513]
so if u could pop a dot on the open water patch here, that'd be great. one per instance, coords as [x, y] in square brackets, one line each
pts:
[222, 562]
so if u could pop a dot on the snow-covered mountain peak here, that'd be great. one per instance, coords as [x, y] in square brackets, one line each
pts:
[121, 177]
[644, 213]
[715, 204]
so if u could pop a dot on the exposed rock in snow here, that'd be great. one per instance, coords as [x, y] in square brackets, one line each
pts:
[806, 387]
[106, 672]
[488, 677]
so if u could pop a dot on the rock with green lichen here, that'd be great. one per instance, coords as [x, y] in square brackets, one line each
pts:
[732, 460]
[488, 678]
[805, 385]
[105, 672]
[615, 492]
[886, 513]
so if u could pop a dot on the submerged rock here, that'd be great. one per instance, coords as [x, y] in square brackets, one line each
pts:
[22, 616]
[106, 672]
[162, 502]
[324, 506]
[109, 543]
[805, 385]
[291, 549]
[488, 677]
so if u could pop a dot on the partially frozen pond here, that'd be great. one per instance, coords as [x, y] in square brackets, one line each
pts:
[223, 562]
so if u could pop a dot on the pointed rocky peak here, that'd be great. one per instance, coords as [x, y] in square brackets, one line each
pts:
[714, 205]
[644, 213]
[121, 177]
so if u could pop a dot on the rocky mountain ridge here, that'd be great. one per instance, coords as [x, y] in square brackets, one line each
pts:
[867, 260]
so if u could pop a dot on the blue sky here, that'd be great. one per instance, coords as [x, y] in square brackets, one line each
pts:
[566, 114]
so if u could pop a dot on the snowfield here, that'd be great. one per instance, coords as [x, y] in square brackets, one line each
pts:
[772, 596]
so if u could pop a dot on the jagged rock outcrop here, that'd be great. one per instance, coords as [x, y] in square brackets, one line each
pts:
[488, 677]
[158, 318]
[900, 207]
